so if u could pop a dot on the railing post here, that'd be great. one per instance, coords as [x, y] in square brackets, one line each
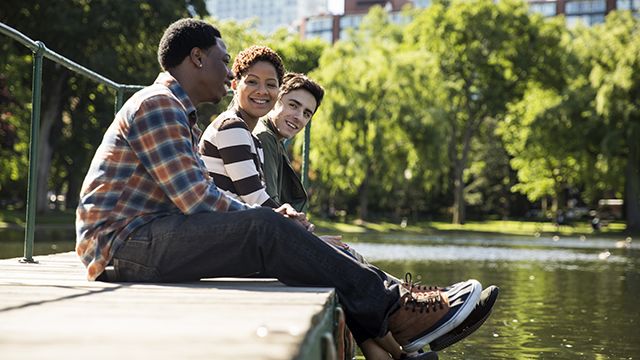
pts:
[32, 186]
[305, 155]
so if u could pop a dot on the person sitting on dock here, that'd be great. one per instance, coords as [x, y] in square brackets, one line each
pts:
[149, 212]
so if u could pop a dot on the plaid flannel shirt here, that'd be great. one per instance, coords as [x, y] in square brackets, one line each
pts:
[146, 167]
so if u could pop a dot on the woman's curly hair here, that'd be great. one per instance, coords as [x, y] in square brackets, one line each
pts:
[251, 55]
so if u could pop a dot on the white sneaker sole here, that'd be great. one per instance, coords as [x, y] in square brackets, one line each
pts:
[470, 289]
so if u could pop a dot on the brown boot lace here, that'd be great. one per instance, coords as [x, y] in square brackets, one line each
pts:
[415, 286]
[419, 297]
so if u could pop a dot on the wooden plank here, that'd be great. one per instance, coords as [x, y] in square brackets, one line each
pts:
[48, 310]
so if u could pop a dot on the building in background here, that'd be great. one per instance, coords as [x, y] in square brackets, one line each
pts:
[363, 6]
[334, 27]
[589, 12]
[269, 15]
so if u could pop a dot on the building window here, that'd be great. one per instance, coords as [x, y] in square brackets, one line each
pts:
[422, 3]
[546, 9]
[350, 21]
[633, 5]
[585, 7]
[319, 24]
[573, 20]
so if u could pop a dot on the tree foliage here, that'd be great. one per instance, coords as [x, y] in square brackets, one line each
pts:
[116, 39]
[366, 141]
[616, 79]
[583, 134]
[486, 52]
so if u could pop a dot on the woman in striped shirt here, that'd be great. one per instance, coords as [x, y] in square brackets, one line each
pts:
[232, 154]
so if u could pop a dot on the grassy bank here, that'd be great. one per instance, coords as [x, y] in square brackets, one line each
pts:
[13, 218]
[505, 227]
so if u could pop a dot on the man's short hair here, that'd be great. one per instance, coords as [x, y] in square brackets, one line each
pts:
[251, 55]
[182, 36]
[295, 81]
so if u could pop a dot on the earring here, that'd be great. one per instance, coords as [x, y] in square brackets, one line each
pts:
[200, 65]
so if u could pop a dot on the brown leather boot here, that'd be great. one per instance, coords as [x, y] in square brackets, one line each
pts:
[427, 313]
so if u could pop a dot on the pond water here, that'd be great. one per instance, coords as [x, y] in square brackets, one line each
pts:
[47, 241]
[560, 298]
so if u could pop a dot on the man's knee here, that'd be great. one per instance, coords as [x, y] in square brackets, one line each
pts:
[266, 214]
[273, 221]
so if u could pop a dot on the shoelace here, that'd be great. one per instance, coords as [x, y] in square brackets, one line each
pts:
[421, 297]
[416, 285]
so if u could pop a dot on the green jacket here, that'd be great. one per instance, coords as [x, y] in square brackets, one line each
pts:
[283, 183]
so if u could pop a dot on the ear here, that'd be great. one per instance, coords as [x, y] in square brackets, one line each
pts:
[196, 57]
[234, 84]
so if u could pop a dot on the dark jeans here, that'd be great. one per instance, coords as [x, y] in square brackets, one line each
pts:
[257, 242]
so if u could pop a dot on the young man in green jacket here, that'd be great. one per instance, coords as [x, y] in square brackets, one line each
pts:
[282, 182]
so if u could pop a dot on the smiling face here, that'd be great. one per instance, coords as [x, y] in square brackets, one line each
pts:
[293, 112]
[257, 89]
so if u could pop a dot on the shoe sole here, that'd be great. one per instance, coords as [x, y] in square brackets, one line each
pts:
[457, 319]
[464, 330]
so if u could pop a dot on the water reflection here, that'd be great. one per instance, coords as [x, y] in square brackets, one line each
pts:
[47, 241]
[570, 242]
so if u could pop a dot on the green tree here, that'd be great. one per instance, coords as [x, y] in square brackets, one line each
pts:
[486, 53]
[116, 39]
[546, 134]
[581, 135]
[366, 144]
[302, 56]
[614, 51]
[13, 127]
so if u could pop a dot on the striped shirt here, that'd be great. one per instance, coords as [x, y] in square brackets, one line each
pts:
[234, 158]
[146, 167]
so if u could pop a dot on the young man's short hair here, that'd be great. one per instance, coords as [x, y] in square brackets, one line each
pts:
[295, 81]
[182, 36]
[251, 55]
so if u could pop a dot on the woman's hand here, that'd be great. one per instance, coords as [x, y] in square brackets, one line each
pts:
[288, 211]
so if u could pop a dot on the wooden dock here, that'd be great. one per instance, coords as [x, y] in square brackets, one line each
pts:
[49, 311]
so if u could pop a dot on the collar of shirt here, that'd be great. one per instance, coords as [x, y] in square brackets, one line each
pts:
[165, 78]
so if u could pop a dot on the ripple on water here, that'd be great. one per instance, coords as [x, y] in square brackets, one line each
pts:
[374, 252]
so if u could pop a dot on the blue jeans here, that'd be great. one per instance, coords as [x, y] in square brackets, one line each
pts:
[257, 242]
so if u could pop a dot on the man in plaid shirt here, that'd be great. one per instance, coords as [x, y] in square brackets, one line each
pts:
[149, 212]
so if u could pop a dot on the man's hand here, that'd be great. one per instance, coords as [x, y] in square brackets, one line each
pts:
[288, 211]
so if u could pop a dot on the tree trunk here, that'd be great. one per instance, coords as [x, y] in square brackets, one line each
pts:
[459, 207]
[50, 114]
[363, 191]
[631, 191]
[73, 190]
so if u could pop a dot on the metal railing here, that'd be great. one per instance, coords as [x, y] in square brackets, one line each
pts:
[40, 51]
